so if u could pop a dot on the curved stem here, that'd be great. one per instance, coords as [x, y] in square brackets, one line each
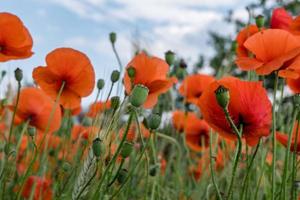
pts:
[211, 167]
[14, 113]
[117, 173]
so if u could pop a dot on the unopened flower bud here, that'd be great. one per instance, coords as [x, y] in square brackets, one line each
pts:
[31, 131]
[223, 96]
[100, 84]
[138, 95]
[131, 72]
[115, 75]
[115, 102]
[260, 21]
[113, 37]
[122, 176]
[66, 166]
[182, 64]
[170, 57]
[153, 121]
[97, 147]
[126, 149]
[18, 74]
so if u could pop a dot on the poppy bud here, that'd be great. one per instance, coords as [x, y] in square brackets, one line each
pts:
[126, 149]
[97, 147]
[170, 57]
[113, 37]
[87, 121]
[122, 175]
[131, 72]
[9, 149]
[18, 74]
[100, 84]
[223, 96]
[66, 166]
[115, 75]
[138, 95]
[115, 102]
[260, 21]
[153, 121]
[296, 100]
[31, 131]
[182, 64]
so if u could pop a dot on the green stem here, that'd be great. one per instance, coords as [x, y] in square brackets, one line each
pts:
[294, 163]
[119, 62]
[245, 182]
[14, 113]
[117, 173]
[274, 138]
[212, 166]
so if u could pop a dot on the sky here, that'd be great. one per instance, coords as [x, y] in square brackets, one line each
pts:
[156, 25]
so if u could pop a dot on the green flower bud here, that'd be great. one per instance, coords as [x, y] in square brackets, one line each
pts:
[170, 57]
[100, 84]
[182, 64]
[138, 95]
[126, 149]
[97, 147]
[260, 21]
[153, 121]
[223, 96]
[31, 131]
[18, 74]
[113, 37]
[66, 166]
[115, 102]
[122, 176]
[115, 75]
[131, 72]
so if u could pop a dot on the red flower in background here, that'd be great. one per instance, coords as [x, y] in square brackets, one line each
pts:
[243, 35]
[35, 106]
[180, 119]
[193, 86]
[249, 106]
[71, 67]
[283, 138]
[42, 188]
[281, 19]
[272, 49]
[15, 39]
[97, 108]
[83, 132]
[151, 72]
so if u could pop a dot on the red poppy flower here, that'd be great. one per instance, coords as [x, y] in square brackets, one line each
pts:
[243, 35]
[197, 135]
[181, 119]
[283, 138]
[42, 188]
[193, 86]
[34, 105]
[151, 72]
[133, 133]
[97, 108]
[294, 84]
[295, 26]
[71, 67]
[273, 50]
[281, 19]
[53, 141]
[15, 39]
[82, 132]
[249, 106]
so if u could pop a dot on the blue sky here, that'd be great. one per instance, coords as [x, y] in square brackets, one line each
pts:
[157, 25]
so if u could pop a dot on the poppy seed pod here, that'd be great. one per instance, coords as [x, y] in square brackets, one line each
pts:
[126, 149]
[122, 175]
[223, 96]
[138, 95]
[170, 57]
[115, 102]
[113, 37]
[131, 72]
[260, 21]
[115, 75]
[18, 74]
[97, 147]
[153, 121]
[31, 131]
[100, 84]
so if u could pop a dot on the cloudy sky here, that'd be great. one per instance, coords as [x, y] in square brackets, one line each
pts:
[157, 25]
